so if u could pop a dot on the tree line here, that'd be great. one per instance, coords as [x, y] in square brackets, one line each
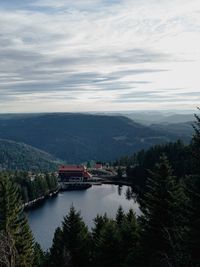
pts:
[19, 156]
[32, 186]
[166, 234]
[137, 167]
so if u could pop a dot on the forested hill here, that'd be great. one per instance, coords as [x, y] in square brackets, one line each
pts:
[81, 137]
[183, 130]
[19, 156]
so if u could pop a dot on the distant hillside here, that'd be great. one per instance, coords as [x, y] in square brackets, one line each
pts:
[148, 118]
[18, 156]
[80, 137]
[182, 130]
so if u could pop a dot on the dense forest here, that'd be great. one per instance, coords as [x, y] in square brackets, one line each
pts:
[19, 156]
[138, 166]
[166, 234]
[76, 138]
[32, 186]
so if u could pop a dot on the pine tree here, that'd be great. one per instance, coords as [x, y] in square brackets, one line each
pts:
[120, 215]
[194, 193]
[129, 233]
[99, 223]
[14, 224]
[164, 218]
[7, 250]
[39, 256]
[193, 187]
[76, 239]
[131, 215]
[58, 256]
[195, 145]
[107, 248]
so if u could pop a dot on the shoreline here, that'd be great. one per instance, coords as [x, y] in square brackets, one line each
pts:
[36, 202]
[126, 183]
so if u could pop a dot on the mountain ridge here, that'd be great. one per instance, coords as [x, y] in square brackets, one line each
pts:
[20, 156]
[76, 137]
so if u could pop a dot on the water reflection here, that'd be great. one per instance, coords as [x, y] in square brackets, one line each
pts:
[96, 200]
[119, 189]
[130, 194]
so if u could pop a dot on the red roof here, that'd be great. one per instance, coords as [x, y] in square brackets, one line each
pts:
[98, 166]
[72, 168]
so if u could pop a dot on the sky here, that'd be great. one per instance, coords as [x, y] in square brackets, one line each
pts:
[99, 55]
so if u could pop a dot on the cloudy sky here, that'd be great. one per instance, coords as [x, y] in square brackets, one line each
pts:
[99, 55]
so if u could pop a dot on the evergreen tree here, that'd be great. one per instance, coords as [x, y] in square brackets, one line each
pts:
[76, 239]
[116, 243]
[120, 215]
[194, 193]
[107, 248]
[195, 145]
[39, 256]
[193, 243]
[7, 250]
[129, 193]
[131, 215]
[164, 218]
[14, 224]
[58, 256]
[99, 223]
[129, 238]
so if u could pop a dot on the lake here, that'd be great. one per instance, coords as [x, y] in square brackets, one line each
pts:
[98, 199]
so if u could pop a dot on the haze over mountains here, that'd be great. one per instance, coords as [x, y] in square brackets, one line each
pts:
[77, 138]
[155, 117]
[178, 124]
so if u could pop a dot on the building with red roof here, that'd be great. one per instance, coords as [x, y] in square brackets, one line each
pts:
[71, 173]
[98, 166]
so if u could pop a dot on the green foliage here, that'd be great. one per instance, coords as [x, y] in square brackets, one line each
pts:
[164, 218]
[14, 224]
[78, 138]
[58, 255]
[166, 234]
[116, 242]
[111, 242]
[71, 244]
[99, 223]
[19, 156]
[193, 189]
[39, 256]
[108, 249]
[120, 215]
[196, 144]
[76, 238]
[138, 165]
[193, 242]
[33, 186]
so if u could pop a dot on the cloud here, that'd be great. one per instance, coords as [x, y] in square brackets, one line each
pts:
[97, 49]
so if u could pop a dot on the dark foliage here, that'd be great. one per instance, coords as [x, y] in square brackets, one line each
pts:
[18, 156]
[82, 137]
[164, 218]
[14, 227]
[167, 234]
[138, 166]
[32, 186]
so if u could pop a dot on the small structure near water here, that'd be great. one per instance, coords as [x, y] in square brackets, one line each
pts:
[74, 177]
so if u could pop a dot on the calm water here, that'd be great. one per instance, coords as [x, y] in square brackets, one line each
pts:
[95, 200]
